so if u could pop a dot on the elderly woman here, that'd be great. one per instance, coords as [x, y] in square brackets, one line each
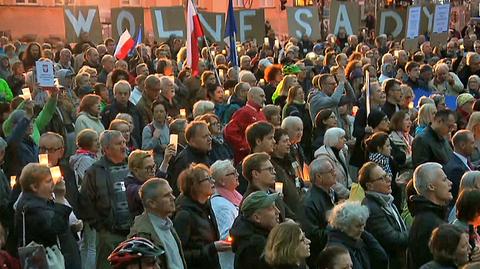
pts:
[273, 115]
[336, 150]
[474, 126]
[156, 135]
[379, 151]
[203, 107]
[348, 222]
[449, 247]
[89, 114]
[425, 117]
[225, 203]
[400, 125]
[384, 222]
[221, 150]
[38, 218]
[195, 220]
[324, 120]
[287, 247]
[473, 86]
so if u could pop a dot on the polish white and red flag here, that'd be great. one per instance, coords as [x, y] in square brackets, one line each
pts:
[124, 45]
[194, 31]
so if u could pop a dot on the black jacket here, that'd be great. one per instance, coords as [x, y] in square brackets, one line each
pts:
[112, 110]
[430, 147]
[301, 112]
[389, 109]
[132, 184]
[248, 243]
[384, 227]
[186, 157]
[286, 175]
[221, 150]
[454, 169]
[285, 211]
[313, 218]
[197, 229]
[426, 217]
[366, 253]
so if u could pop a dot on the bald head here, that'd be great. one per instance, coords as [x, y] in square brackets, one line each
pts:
[256, 95]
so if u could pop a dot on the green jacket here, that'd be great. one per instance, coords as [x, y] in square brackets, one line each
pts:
[40, 123]
[5, 91]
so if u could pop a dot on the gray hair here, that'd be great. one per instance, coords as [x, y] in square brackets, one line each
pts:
[332, 136]
[246, 76]
[318, 166]
[469, 180]
[344, 214]
[107, 136]
[17, 115]
[202, 107]
[423, 176]
[219, 168]
[148, 190]
[291, 121]
[121, 84]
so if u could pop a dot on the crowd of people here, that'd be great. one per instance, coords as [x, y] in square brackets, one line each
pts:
[290, 160]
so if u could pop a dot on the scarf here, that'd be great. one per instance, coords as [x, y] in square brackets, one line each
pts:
[86, 152]
[233, 196]
[382, 160]
[299, 102]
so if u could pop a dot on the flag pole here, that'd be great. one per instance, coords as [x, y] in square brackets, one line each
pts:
[215, 71]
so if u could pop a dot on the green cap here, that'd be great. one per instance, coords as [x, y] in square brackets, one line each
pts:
[291, 69]
[257, 200]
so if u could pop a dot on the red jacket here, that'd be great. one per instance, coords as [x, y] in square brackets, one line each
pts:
[235, 129]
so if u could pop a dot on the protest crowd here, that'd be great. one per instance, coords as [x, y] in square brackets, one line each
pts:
[308, 154]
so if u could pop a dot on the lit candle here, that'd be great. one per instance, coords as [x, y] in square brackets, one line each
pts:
[277, 43]
[43, 159]
[229, 239]
[183, 113]
[239, 48]
[56, 174]
[224, 52]
[13, 179]
[410, 105]
[220, 73]
[213, 53]
[227, 92]
[174, 140]
[26, 94]
[266, 41]
[306, 173]
[354, 110]
[279, 187]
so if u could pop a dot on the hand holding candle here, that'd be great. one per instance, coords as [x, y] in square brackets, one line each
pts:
[43, 159]
[26, 94]
[279, 187]
[13, 179]
[174, 140]
[183, 113]
[56, 174]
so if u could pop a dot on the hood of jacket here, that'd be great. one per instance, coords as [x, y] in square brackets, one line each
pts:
[77, 157]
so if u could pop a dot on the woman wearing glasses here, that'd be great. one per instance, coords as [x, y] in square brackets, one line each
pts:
[384, 222]
[195, 221]
[225, 203]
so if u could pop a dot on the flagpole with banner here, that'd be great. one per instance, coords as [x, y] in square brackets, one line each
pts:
[194, 31]
[231, 35]
[367, 91]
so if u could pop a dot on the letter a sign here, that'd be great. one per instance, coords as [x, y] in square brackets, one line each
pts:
[84, 19]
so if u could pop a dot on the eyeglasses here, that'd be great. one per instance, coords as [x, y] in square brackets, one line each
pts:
[386, 178]
[232, 173]
[45, 149]
[270, 169]
[209, 178]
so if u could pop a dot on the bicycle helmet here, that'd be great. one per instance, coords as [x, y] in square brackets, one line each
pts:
[133, 250]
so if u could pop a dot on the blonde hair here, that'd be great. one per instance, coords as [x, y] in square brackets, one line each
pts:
[282, 244]
[286, 84]
[473, 121]
[424, 114]
[136, 158]
[33, 174]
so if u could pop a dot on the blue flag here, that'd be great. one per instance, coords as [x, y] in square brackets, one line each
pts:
[137, 41]
[230, 34]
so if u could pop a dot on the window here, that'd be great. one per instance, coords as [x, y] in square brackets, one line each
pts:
[299, 3]
[26, 2]
[64, 2]
[130, 2]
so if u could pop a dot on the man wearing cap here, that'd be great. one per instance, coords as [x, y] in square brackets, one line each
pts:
[258, 216]
[464, 109]
[317, 203]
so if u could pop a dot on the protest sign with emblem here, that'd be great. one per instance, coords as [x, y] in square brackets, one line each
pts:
[82, 19]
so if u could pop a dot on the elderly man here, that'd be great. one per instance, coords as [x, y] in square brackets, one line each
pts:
[298, 140]
[248, 77]
[199, 145]
[459, 161]
[428, 210]
[108, 62]
[245, 63]
[155, 224]
[317, 203]
[167, 96]
[250, 113]
[444, 81]
[472, 67]
[432, 145]
[329, 94]
[142, 167]
[92, 58]
[65, 61]
[258, 216]
[150, 94]
[103, 197]
[121, 104]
